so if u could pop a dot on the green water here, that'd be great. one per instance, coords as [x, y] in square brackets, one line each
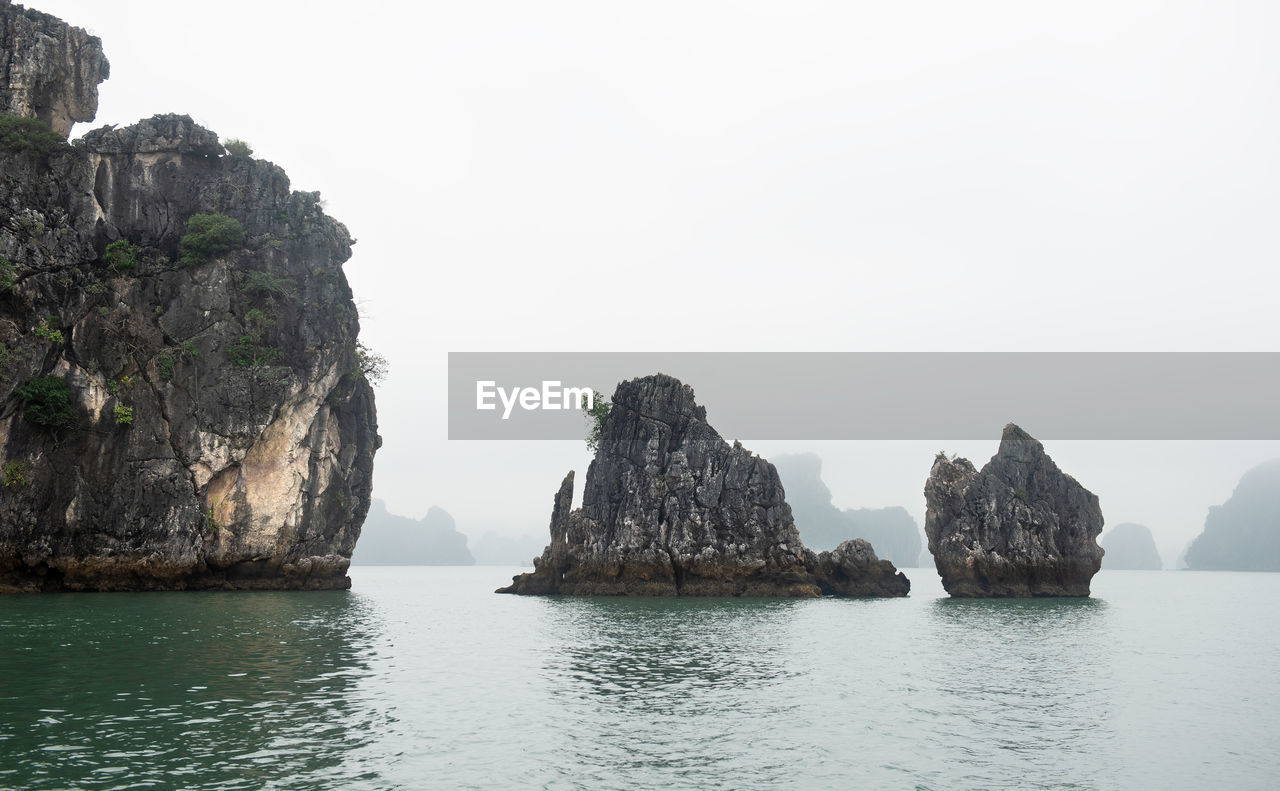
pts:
[422, 678]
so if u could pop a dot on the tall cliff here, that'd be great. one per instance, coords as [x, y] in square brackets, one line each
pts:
[182, 400]
[1018, 527]
[671, 509]
[48, 69]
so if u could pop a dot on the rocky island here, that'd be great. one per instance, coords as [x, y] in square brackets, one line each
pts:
[183, 399]
[670, 508]
[1019, 527]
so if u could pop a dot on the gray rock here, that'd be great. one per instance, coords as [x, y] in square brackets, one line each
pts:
[1130, 546]
[1243, 534]
[1019, 527]
[237, 466]
[48, 69]
[176, 134]
[669, 508]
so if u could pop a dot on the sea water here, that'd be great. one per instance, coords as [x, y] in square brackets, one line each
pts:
[424, 678]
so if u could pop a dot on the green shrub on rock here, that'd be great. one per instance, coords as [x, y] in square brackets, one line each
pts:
[209, 236]
[47, 400]
[121, 256]
[19, 134]
[238, 148]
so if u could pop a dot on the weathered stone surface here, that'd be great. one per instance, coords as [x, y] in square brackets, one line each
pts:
[1130, 546]
[669, 508]
[240, 466]
[48, 69]
[1020, 527]
[1243, 534]
[169, 133]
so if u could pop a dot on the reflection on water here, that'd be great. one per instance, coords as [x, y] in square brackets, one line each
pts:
[180, 690]
[654, 656]
[1021, 691]
[423, 678]
[673, 686]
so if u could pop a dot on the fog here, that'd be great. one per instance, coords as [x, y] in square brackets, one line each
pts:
[993, 176]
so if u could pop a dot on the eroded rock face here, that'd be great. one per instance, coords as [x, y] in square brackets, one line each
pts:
[48, 69]
[669, 508]
[219, 432]
[1019, 527]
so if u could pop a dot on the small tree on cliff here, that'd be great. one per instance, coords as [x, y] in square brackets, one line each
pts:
[209, 236]
[596, 414]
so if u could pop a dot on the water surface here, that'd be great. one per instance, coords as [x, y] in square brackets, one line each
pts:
[422, 678]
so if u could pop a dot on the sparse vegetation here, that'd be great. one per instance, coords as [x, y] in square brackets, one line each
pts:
[238, 148]
[165, 362]
[246, 352]
[124, 415]
[265, 284]
[47, 332]
[209, 236]
[8, 274]
[370, 365]
[14, 475]
[596, 413]
[18, 135]
[47, 401]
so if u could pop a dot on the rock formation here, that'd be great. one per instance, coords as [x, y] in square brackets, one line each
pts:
[1130, 547]
[182, 399]
[48, 69]
[390, 540]
[669, 508]
[1243, 534]
[822, 526]
[1020, 527]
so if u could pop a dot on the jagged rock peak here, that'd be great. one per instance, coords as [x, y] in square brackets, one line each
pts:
[160, 133]
[670, 508]
[1018, 527]
[50, 69]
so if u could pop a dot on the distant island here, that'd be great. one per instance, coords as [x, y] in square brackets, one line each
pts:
[892, 531]
[1243, 534]
[1130, 547]
[391, 540]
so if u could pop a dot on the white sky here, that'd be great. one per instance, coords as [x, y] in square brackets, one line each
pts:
[748, 176]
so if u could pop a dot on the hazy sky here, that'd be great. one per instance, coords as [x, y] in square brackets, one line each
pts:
[942, 176]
